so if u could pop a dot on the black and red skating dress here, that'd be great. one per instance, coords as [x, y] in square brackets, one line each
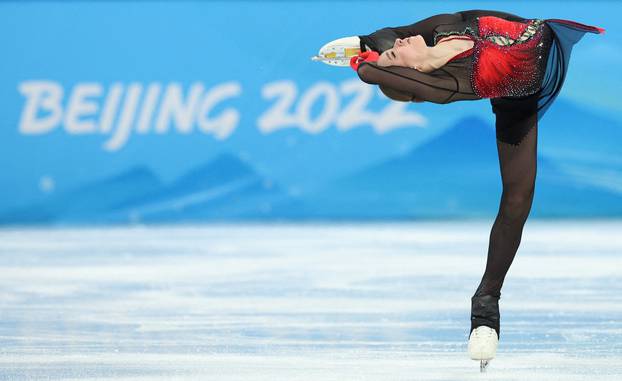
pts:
[519, 64]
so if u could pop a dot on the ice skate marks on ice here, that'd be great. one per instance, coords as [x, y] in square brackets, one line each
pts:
[338, 52]
[483, 343]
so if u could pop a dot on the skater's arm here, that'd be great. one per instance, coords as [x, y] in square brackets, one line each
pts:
[383, 39]
[436, 87]
[398, 95]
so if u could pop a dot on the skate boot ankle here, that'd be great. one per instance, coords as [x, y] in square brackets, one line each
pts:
[485, 329]
[485, 311]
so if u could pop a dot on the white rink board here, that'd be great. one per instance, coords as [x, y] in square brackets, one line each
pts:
[305, 302]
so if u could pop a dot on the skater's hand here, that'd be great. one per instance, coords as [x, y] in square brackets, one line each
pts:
[368, 56]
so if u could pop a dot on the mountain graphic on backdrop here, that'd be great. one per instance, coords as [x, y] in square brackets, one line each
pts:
[455, 174]
[585, 143]
[452, 175]
[225, 187]
[88, 202]
[570, 127]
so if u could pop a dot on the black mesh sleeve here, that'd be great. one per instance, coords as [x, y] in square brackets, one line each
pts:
[439, 86]
[397, 95]
[384, 38]
[447, 84]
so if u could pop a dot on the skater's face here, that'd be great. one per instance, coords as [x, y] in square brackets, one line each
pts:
[408, 52]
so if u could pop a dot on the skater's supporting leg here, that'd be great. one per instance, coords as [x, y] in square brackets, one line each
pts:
[518, 173]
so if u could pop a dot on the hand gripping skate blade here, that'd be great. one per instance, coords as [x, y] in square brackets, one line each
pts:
[338, 52]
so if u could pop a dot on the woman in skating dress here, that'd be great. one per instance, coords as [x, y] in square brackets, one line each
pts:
[520, 65]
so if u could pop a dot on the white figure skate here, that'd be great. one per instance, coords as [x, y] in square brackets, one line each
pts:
[338, 52]
[483, 343]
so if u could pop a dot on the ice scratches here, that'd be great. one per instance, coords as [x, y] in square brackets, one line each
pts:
[305, 302]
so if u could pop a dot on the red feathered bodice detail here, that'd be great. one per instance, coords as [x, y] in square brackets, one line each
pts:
[490, 26]
[509, 57]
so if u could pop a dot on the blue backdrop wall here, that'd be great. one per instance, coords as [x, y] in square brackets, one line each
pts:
[191, 111]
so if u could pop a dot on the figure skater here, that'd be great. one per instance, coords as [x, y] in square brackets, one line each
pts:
[520, 64]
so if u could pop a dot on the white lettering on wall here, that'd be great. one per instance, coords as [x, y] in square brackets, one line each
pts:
[176, 110]
[353, 114]
[278, 116]
[79, 118]
[149, 107]
[120, 110]
[41, 96]
[111, 106]
[223, 125]
[326, 92]
[126, 119]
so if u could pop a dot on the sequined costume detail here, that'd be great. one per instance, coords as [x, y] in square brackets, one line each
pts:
[519, 64]
[509, 57]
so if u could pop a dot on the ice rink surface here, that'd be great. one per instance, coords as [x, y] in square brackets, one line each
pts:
[305, 302]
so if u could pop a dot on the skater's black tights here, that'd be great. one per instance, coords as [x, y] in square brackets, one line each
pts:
[518, 174]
